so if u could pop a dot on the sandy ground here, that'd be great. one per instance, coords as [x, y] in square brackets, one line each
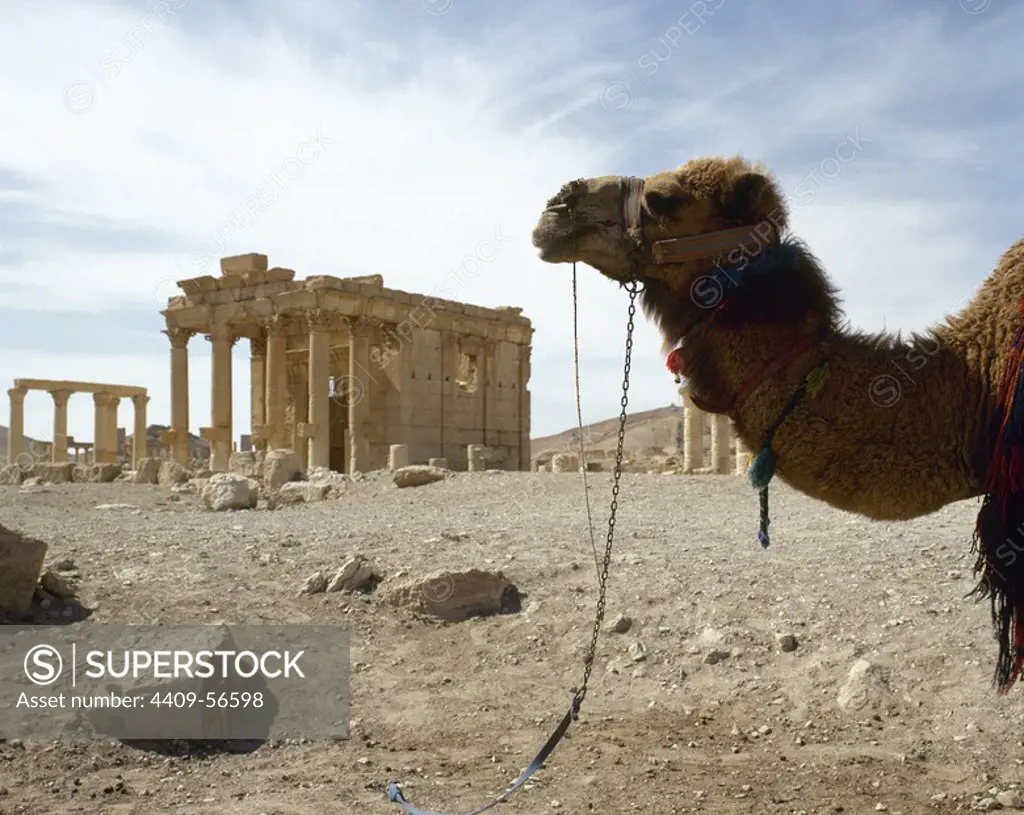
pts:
[455, 710]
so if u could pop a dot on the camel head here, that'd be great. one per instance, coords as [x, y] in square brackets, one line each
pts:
[708, 243]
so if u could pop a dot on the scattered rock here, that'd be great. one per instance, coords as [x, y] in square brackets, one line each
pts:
[128, 507]
[171, 472]
[11, 475]
[638, 651]
[279, 467]
[148, 471]
[59, 587]
[22, 558]
[298, 492]
[316, 583]
[244, 463]
[65, 564]
[416, 475]
[457, 596]
[786, 642]
[1010, 799]
[355, 574]
[226, 491]
[97, 473]
[54, 473]
[32, 481]
[716, 655]
[866, 689]
[620, 625]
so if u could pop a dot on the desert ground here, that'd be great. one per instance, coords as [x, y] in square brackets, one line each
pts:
[730, 692]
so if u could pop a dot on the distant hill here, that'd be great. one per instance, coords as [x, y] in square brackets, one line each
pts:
[650, 432]
[4, 433]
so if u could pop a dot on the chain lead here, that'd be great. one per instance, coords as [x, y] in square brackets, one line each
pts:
[634, 288]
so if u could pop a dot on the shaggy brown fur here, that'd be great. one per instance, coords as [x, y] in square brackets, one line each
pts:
[901, 428]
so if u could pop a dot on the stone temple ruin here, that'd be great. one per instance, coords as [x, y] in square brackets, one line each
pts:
[104, 447]
[344, 370]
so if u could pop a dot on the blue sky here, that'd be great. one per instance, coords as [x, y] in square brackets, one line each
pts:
[134, 130]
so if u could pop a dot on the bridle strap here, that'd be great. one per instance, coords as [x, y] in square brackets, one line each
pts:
[700, 247]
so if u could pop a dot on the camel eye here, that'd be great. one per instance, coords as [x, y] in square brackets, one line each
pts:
[663, 205]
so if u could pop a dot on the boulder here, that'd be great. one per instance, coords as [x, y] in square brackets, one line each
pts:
[244, 463]
[866, 689]
[280, 467]
[148, 471]
[171, 472]
[96, 473]
[60, 473]
[355, 574]
[456, 596]
[11, 475]
[21, 560]
[300, 492]
[226, 491]
[416, 475]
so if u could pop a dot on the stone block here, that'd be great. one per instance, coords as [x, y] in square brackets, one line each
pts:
[565, 463]
[279, 467]
[148, 471]
[61, 473]
[21, 562]
[437, 461]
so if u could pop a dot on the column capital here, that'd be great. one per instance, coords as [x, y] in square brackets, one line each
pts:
[258, 346]
[274, 326]
[221, 332]
[17, 394]
[179, 337]
[60, 397]
[361, 326]
[320, 319]
[105, 400]
[140, 399]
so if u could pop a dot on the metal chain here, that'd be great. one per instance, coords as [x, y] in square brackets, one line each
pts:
[634, 289]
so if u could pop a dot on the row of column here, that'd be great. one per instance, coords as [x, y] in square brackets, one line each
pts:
[694, 421]
[104, 426]
[269, 388]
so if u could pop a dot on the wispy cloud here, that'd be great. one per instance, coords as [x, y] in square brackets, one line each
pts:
[356, 138]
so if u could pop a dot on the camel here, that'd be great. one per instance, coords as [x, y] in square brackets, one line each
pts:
[887, 427]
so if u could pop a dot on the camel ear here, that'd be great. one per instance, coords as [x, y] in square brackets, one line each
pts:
[745, 201]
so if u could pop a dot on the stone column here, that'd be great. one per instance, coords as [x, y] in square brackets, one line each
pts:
[476, 458]
[220, 431]
[742, 457]
[358, 396]
[319, 410]
[101, 428]
[178, 437]
[60, 426]
[110, 433]
[16, 425]
[299, 392]
[693, 431]
[258, 385]
[720, 433]
[277, 382]
[140, 445]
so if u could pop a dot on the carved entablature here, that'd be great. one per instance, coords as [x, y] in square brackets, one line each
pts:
[258, 346]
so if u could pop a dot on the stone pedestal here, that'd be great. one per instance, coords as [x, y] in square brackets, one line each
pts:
[476, 455]
[398, 456]
[438, 462]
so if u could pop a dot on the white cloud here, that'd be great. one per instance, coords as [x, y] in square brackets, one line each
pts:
[438, 130]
